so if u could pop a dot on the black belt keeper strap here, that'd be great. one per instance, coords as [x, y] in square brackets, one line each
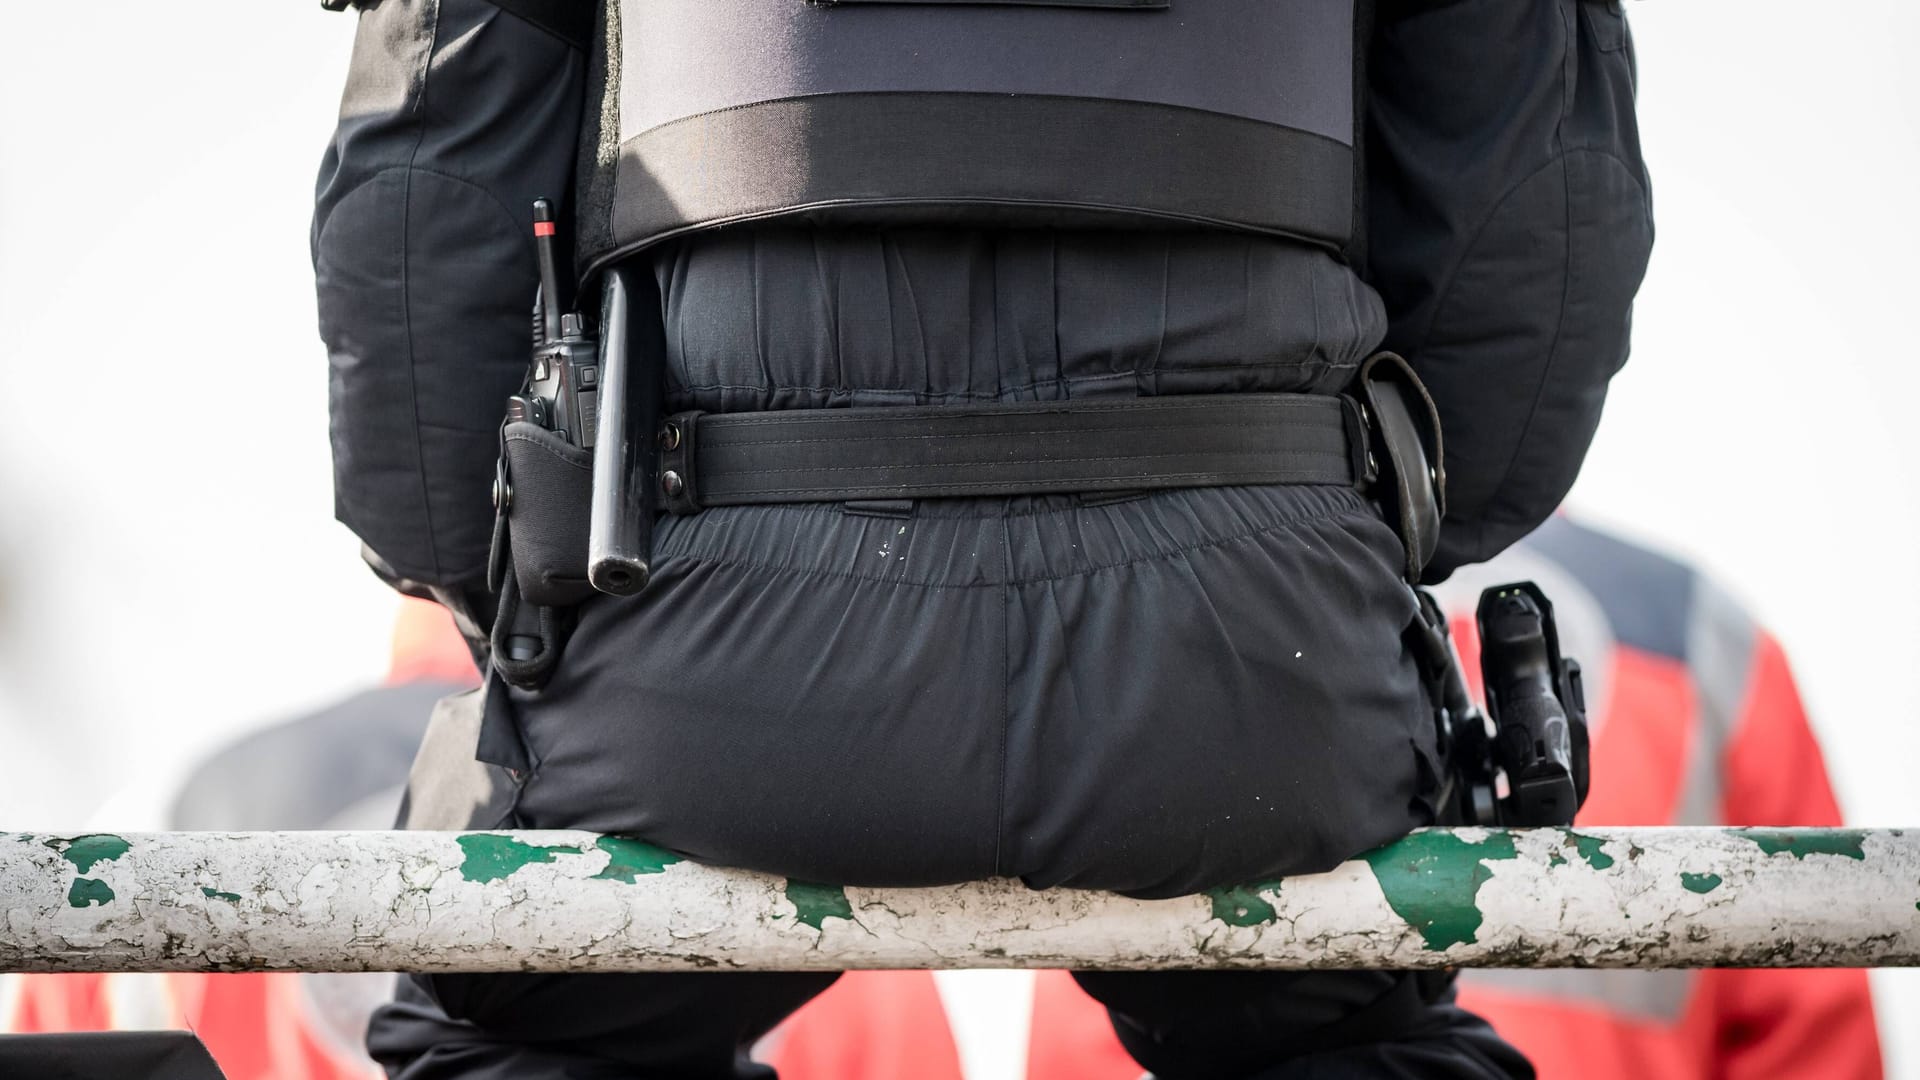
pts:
[1024, 448]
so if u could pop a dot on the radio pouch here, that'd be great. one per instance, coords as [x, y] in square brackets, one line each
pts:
[547, 489]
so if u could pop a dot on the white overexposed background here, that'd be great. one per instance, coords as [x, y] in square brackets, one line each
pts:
[169, 571]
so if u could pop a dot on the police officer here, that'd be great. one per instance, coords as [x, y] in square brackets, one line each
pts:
[1175, 231]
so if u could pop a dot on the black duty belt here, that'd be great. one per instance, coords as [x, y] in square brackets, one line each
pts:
[1029, 448]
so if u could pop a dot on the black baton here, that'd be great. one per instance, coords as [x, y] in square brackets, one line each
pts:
[620, 527]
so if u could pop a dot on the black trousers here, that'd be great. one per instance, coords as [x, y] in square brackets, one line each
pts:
[1195, 688]
[1179, 1025]
[1154, 697]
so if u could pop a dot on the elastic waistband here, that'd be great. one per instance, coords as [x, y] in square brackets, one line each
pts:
[990, 542]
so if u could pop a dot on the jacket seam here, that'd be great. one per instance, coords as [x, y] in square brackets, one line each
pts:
[1006, 701]
[410, 167]
[432, 569]
[1568, 91]
[406, 293]
[1561, 156]
[544, 29]
[1488, 510]
[1445, 296]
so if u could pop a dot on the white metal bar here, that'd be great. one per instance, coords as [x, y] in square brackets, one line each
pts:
[565, 901]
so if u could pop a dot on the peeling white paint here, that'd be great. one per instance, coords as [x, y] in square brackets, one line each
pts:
[345, 901]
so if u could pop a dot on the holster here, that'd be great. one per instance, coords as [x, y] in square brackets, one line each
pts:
[1398, 410]
[538, 565]
[548, 487]
[1481, 753]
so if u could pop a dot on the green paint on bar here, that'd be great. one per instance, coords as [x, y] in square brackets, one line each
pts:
[1432, 879]
[1589, 849]
[1700, 883]
[1554, 858]
[216, 894]
[491, 857]
[86, 892]
[1242, 905]
[84, 851]
[1801, 843]
[628, 859]
[818, 903]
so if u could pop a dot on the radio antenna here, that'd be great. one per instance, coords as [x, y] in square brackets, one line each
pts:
[552, 302]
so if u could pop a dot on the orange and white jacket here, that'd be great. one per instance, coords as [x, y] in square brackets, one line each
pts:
[275, 1025]
[1696, 721]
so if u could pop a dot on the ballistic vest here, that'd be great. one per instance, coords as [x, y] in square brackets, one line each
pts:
[1236, 114]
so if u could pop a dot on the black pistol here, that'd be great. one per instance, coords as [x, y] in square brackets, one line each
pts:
[1535, 701]
[563, 382]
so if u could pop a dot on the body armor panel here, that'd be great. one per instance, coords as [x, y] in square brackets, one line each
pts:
[1224, 113]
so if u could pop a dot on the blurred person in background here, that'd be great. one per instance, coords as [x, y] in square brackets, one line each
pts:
[343, 767]
[1695, 720]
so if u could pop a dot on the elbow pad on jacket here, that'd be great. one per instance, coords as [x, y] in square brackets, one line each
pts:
[1516, 444]
[426, 333]
[1512, 223]
[456, 116]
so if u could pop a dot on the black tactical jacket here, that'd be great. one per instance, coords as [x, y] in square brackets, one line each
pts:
[1508, 225]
